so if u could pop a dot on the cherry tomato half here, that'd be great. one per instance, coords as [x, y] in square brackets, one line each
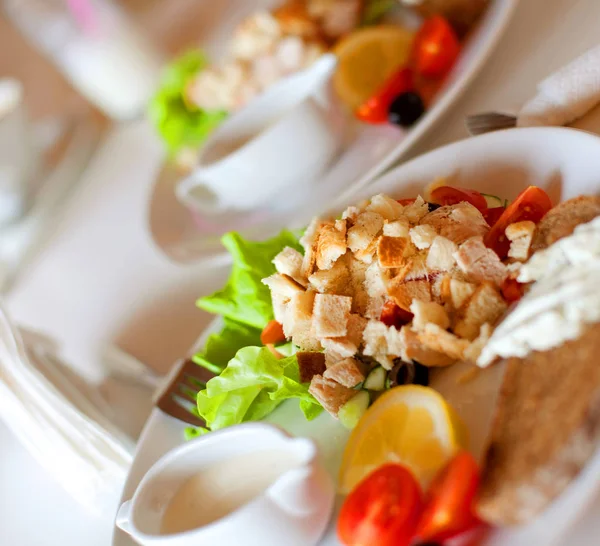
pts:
[449, 195]
[375, 109]
[406, 202]
[383, 509]
[393, 315]
[531, 204]
[435, 48]
[448, 508]
[493, 215]
[512, 290]
[272, 333]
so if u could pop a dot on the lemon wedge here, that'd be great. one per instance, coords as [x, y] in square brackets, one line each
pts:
[367, 58]
[410, 425]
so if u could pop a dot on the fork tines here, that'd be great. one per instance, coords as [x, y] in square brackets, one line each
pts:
[178, 399]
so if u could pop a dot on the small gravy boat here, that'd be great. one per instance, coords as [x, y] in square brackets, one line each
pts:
[292, 510]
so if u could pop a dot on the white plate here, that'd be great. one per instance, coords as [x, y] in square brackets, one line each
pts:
[371, 151]
[563, 161]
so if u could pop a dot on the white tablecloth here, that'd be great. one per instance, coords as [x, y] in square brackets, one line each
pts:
[100, 280]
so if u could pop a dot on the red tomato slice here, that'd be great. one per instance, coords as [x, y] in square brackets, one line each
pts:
[272, 333]
[392, 315]
[435, 49]
[448, 508]
[531, 204]
[512, 290]
[375, 109]
[493, 215]
[449, 195]
[405, 202]
[383, 509]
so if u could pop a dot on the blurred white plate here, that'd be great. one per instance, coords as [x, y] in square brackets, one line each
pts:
[370, 151]
[566, 163]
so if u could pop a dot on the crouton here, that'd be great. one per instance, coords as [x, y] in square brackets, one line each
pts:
[282, 285]
[480, 263]
[331, 314]
[332, 281]
[382, 342]
[404, 292]
[485, 305]
[330, 394]
[415, 268]
[331, 244]
[460, 292]
[348, 372]
[457, 222]
[332, 358]
[351, 214]
[367, 255]
[298, 311]
[386, 207]
[375, 287]
[356, 287]
[365, 229]
[310, 364]
[397, 228]
[428, 312]
[341, 346]
[474, 350]
[279, 307]
[441, 254]
[422, 236]
[416, 210]
[416, 351]
[309, 243]
[390, 251]
[289, 262]
[356, 327]
[438, 339]
[520, 235]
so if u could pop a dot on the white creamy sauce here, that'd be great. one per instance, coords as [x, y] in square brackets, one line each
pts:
[223, 487]
[563, 300]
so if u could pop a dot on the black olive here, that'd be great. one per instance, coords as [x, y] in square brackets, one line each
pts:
[406, 109]
[432, 206]
[421, 375]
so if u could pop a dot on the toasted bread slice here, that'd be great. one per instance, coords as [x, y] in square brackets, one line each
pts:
[546, 427]
[563, 219]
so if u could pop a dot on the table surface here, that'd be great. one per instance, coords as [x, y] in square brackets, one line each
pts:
[101, 281]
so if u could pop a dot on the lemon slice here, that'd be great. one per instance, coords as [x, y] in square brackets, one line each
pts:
[410, 425]
[367, 58]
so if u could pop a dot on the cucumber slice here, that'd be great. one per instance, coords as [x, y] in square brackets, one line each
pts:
[351, 412]
[493, 201]
[375, 381]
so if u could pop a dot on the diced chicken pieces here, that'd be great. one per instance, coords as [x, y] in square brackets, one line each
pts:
[415, 350]
[480, 263]
[457, 222]
[485, 305]
[428, 312]
[336, 17]
[375, 287]
[416, 211]
[331, 314]
[255, 36]
[474, 350]
[520, 235]
[289, 262]
[282, 285]
[397, 228]
[390, 251]
[383, 343]
[310, 364]
[348, 372]
[364, 230]
[441, 254]
[330, 394]
[340, 346]
[332, 281]
[331, 244]
[440, 340]
[385, 206]
[422, 236]
[460, 292]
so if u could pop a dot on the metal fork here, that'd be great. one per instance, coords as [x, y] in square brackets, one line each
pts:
[486, 122]
[178, 398]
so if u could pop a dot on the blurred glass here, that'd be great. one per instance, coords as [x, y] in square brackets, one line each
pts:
[96, 46]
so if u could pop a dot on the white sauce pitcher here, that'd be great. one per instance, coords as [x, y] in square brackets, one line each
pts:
[293, 511]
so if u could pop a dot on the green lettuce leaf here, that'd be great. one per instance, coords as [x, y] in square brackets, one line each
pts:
[251, 387]
[180, 124]
[375, 10]
[245, 299]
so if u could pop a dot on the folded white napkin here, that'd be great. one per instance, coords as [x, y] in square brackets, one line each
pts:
[61, 420]
[566, 95]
